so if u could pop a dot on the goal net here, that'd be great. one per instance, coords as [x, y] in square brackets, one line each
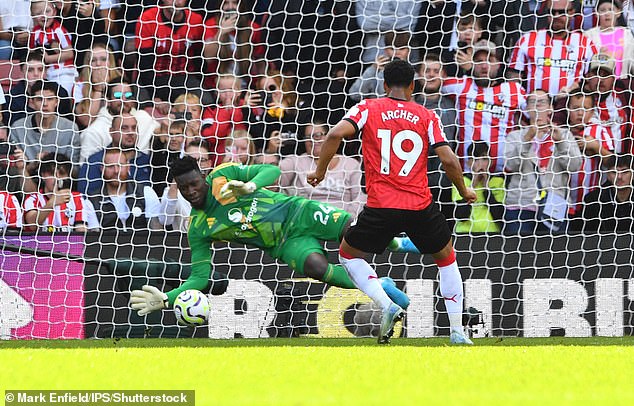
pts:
[101, 98]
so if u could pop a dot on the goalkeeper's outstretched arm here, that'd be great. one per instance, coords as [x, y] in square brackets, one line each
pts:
[261, 175]
[244, 180]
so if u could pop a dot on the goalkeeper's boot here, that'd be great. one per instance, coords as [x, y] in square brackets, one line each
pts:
[390, 316]
[395, 294]
[459, 338]
[402, 244]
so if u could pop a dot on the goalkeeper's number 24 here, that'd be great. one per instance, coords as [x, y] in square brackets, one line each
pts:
[323, 215]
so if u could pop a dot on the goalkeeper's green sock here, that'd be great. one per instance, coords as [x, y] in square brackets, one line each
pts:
[336, 275]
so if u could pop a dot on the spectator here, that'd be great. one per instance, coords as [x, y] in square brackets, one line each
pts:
[610, 208]
[120, 98]
[55, 41]
[539, 157]
[430, 78]
[109, 10]
[628, 15]
[175, 210]
[165, 149]
[10, 210]
[99, 69]
[169, 40]
[123, 204]
[614, 106]
[485, 214]
[593, 140]
[264, 158]
[44, 130]
[436, 19]
[378, 17]
[234, 44]
[15, 24]
[500, 20]
[124, 136]
[55, 207]
[342, 187]
[612, 38]
[240, 148]
[188, 104]
[83, 21]
[218, 122]
[488, 107]
[272, 112]
[12, 165]
[370, 84]
[552, 59]
[33, 70]
[458, 57]
[530, 15]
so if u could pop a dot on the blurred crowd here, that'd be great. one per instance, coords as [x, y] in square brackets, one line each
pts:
[98, 97]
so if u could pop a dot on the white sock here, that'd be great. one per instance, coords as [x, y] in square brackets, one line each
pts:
[365, 279]
[451, 290]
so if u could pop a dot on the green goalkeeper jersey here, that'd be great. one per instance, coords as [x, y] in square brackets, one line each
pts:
[259, 219]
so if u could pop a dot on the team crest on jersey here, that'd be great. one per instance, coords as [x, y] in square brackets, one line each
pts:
[235, 215]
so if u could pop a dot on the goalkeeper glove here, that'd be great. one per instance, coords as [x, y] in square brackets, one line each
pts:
[235, 188]
[148, 300]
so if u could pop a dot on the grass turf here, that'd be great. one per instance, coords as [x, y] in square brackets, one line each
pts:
[334, 371]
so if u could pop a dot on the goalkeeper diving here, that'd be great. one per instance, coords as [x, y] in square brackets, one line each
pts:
[231, 204]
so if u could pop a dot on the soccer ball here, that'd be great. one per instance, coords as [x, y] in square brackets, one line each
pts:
[191, 308]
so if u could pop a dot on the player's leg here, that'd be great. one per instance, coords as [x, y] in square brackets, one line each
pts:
[316, 266]
[306, 256]
[302, 249]
[372, 233]
[432, 236]
[452, 291]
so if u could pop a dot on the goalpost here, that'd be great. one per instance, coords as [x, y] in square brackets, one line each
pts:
[261, 82]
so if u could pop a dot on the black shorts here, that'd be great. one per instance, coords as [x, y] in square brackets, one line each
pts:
[375, 228]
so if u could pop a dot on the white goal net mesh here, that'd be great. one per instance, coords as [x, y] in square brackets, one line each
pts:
[100, 98]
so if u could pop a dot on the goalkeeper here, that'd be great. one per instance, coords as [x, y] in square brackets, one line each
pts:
[230, 205]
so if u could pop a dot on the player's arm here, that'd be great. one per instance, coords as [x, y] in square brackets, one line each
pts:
[247, 179]
[201, 269]
[150, 298]
[452, 167]
[262, 175]
[344, 129]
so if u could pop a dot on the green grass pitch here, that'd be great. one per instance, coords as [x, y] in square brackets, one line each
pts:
[304, 371]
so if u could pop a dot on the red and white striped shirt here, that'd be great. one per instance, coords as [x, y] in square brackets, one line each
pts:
[41, 36]
[613, 117]
[589, 176]
[550, 63]
[10, 211]
[485, 114]
[65, 216]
